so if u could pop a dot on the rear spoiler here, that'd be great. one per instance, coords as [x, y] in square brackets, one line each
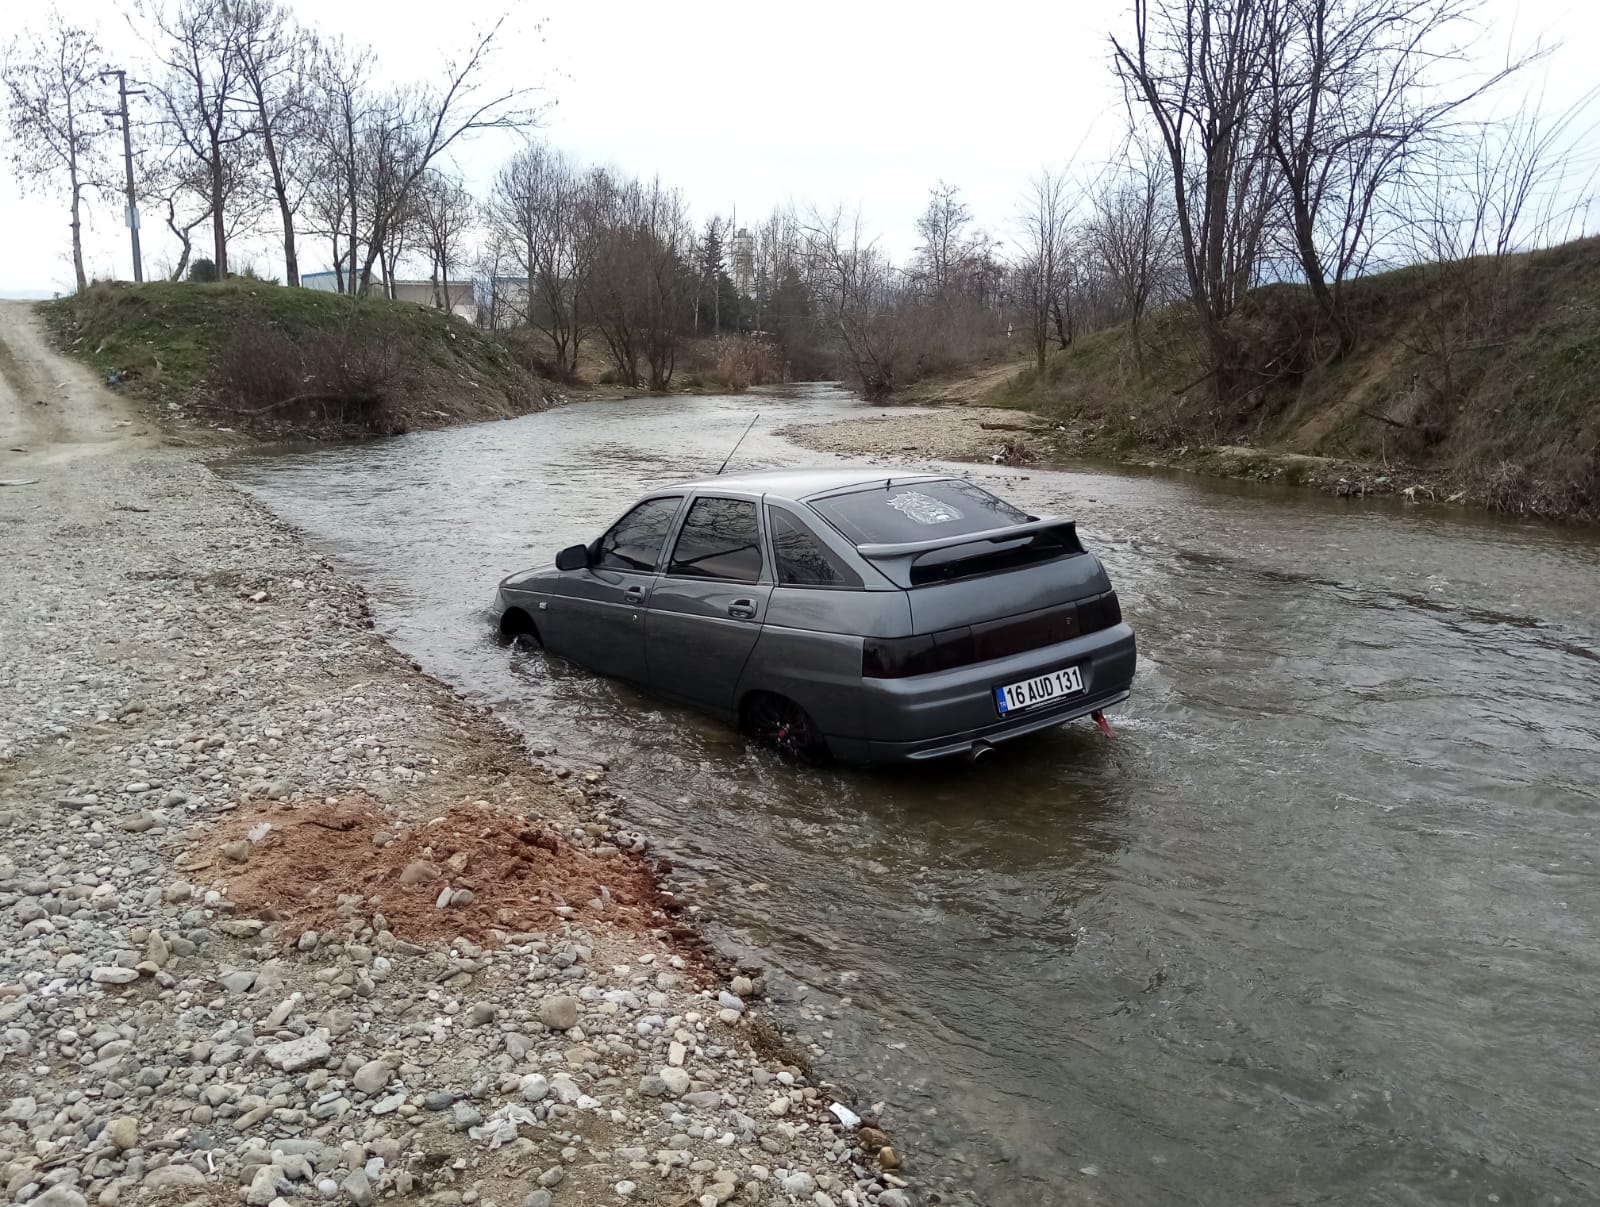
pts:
[992, 536]
[913, 563]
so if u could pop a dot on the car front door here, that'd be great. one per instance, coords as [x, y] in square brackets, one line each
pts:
[599, 611]
[708, 606]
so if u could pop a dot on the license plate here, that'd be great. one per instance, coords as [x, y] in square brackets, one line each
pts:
[1031, 693]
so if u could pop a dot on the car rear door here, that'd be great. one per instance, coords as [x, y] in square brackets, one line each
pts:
[707, 608]
[599, 618]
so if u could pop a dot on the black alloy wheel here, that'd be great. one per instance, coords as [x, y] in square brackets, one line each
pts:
[782, 725]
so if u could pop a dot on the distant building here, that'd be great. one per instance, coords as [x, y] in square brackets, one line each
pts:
[502, 301]
[743, 262]
[462, 297]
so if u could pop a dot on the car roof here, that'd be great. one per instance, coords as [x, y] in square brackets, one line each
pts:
[801, 484]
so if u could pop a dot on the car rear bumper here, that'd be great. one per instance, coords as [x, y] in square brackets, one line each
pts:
[953, 713]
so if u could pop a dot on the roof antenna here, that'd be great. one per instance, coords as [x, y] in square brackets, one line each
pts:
[736, 445]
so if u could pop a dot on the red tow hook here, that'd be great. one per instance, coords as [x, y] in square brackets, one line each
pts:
[1100, 720]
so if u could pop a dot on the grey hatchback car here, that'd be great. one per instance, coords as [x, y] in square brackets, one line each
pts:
[840, 612]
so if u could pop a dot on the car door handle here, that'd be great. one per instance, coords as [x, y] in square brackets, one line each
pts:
[742, 609]
[633, 595]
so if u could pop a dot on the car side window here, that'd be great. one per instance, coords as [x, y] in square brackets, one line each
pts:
[635, 541]
[803, 560]
[720, 539]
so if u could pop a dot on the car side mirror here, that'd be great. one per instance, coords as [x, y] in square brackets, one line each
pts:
[573, 557]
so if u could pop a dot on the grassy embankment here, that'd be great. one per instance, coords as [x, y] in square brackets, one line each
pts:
[275, 362]
[1475, 382]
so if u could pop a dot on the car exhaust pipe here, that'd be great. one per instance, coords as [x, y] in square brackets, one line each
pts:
[980, 753]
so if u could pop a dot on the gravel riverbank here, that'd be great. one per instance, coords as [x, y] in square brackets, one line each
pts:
[286, 921]
[949, 434]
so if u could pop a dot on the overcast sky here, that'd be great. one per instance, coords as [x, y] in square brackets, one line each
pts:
[745, 106]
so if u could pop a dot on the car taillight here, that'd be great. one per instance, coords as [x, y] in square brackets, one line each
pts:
[902, 657]
[892, 657]
[1100, 612]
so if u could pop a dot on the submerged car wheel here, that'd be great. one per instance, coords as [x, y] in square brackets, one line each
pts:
[517, 628]
[782, 725]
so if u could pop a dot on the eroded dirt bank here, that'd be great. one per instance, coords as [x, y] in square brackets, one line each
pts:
[285, 920]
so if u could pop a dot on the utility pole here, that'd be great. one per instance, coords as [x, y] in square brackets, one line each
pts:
[132, 217]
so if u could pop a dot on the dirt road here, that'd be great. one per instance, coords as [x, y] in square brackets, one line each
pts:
[53, 409]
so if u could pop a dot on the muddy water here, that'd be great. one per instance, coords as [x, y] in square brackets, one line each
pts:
[1319, 926]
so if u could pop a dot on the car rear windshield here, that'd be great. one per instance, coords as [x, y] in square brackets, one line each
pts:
[916, 511]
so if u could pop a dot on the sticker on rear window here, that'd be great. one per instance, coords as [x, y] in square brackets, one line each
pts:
[924, 509]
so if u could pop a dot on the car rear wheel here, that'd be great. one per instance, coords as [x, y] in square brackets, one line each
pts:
[780, 724]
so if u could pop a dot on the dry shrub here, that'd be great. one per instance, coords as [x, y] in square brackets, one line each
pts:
[1566, 486]
[532, 351]
[738, 362]
[333, 375]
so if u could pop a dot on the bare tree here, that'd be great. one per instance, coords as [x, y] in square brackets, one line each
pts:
[274, 56]
[641, 284]
[388, 188]
[180, 187]
[200, 92]
[669, 249]
[418, 125]
[445, 212]
[53, 95]
[1355, 111]
[857, 291]
[340, 100]
[490, 282]
[1197, 69]
[1502, 191]
[949, 250]
[323, 213]
[1042, 265]
[542, 210]
[1131, 233]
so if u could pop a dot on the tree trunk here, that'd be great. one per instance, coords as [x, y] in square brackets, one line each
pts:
[1063, 322]
[1316, 279]
[291, 261]
[77, 229]
[186, 244]
[374, 253]
[350, 195]
[219, 225]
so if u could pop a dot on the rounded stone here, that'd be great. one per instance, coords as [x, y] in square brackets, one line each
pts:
[371, 1077]
[559, 1013]
[123, 1132]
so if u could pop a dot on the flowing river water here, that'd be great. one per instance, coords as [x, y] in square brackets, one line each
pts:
[1318, 926]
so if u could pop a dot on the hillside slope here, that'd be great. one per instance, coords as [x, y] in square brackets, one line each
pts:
[1478, 380]
[277, 362]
